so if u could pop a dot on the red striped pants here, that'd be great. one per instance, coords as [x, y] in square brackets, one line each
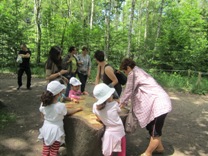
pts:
[51, 150]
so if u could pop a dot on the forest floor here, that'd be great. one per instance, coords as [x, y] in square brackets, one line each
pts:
[185, 131]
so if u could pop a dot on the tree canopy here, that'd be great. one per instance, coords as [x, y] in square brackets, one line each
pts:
[161, 34]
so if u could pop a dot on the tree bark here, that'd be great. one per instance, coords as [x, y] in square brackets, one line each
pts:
[91, 15]
[159, 25]
[107, 30]
[130, 27]
[37, 20]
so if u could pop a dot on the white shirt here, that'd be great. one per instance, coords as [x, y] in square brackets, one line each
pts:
[52, 129]
[114, 130]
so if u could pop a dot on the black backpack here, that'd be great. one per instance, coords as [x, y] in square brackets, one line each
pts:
[122, 79]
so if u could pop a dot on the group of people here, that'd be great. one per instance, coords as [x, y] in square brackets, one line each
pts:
[150, 102]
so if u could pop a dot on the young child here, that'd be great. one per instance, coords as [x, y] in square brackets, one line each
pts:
[106, 110]
[52, 131]
[75, 92]
[62, 97]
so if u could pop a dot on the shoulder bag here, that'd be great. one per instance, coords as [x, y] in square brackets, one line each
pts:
[131, 122]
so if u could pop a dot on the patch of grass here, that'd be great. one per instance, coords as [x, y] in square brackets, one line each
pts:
[5, 118]
[178, 82]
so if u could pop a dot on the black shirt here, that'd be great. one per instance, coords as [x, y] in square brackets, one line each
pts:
[25, 61]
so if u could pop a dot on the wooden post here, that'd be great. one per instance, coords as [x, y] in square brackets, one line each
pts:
[198, 79]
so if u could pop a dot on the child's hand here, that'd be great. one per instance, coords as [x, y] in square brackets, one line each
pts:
[85, 93]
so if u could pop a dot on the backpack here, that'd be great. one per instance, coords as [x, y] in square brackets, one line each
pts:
[122, 79]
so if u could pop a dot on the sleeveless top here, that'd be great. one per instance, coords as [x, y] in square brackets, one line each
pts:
[107, 81]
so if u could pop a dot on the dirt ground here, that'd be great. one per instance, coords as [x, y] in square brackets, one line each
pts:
[185, 131]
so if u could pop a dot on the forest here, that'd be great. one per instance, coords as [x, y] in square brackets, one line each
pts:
[167, 36]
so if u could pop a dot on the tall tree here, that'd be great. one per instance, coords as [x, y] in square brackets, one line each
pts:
[91, 14]
[37, 9]
[130, 27]
[107, 28]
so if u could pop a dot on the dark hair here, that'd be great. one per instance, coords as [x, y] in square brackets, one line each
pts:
[101, 106]
[84, 48]
[72, 48]
[54, 52]
[23, 45]
[127, 62]
[47, 98]
[99, 55]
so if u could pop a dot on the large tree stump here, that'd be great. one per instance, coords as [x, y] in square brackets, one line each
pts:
[83, 132]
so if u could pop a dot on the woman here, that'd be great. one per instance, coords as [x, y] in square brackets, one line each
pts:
[84, 68]
[54, 65]
[70, 63]
[106, 73]
[151, 103]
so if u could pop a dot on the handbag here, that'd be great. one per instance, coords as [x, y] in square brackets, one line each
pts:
[19, 59]
[131, 122]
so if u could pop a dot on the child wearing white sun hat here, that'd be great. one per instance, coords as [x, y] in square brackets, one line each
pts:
[75, 93]
[106, 110]
[52, 131]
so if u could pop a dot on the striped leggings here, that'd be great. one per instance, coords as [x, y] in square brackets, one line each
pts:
[51, 150]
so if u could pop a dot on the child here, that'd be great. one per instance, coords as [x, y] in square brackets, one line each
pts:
[106, 109]
[52, 131]
[62, 97]
[75, 93]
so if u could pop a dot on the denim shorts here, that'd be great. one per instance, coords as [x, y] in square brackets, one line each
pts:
[155, 126]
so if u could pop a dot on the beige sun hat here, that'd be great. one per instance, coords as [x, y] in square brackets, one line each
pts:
[102, 92]
[55, 87]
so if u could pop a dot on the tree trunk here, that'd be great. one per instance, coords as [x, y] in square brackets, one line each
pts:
[130, 27]
[146, 24]
[92, 12]
[37, 20]
[159, 25]
[107, 30]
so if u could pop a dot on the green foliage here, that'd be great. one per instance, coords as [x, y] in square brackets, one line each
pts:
[5, 118]
[177, 82]
[182, 29]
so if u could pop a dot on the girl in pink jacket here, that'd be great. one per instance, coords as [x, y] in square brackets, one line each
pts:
[106, 109]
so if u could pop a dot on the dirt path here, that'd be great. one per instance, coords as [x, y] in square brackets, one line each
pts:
[185, 131]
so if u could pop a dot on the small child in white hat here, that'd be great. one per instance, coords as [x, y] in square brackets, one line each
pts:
[106, 109]
[52, 132]
[75, 93]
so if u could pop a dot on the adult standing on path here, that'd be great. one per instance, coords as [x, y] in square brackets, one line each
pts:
[106, 73]
[70, 63]
[84, 68]
[150, 103]
[24, 66]
[53, 65]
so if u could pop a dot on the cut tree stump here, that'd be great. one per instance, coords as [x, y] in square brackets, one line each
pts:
[83, 131]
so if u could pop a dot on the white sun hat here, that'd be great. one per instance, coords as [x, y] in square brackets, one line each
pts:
[55, 87]
[74, 81]
[102, 92]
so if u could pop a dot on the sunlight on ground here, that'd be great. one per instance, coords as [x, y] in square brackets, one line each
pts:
[15, 143]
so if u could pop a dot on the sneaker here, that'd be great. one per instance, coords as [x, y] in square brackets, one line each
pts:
[18, 88]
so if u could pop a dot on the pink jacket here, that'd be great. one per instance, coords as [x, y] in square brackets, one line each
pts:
[75, 94]
[148, 97]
